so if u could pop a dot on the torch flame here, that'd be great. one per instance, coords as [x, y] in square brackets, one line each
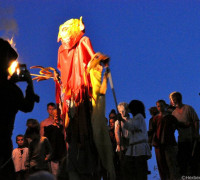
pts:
[12, 43]
[13, 68]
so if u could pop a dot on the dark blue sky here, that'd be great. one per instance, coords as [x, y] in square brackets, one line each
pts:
[154, 46]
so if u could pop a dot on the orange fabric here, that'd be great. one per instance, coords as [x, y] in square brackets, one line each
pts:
[73, 64]
[58, 92]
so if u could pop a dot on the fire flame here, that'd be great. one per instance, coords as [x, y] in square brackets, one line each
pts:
[12, 43]
[13, 68]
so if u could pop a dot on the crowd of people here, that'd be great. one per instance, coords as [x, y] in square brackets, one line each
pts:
[40, 149]
[175, 159]
[43, 146]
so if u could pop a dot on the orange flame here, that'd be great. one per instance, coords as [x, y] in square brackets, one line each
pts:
[12, 43]
[13, 68]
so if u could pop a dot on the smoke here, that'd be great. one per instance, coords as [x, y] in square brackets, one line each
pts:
[8, 25]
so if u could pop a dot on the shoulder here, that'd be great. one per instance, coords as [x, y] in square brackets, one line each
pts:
[25, 149]
[10, 84]
[139, 116]
[15, 150]
[129, 119]
[188, 107]
[155, 118]
[45, 122]
[42, 122]
[11, 88]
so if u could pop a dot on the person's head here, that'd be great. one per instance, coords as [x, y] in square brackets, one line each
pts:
[123, 109]
[161, 105]
[175, 98]
[136, 107]
[153, 111]
[112, 114]
[32, 123]
[20, 140]
[7, 56]
[112, 123]
[50, 107]
[33, 129]
[55, 116]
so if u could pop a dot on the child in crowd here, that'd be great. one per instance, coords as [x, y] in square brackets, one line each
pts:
[19, 156]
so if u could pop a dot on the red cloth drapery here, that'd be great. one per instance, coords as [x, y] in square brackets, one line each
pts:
[73, 64]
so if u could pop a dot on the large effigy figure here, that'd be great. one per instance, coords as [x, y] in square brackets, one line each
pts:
[76, 102]
[73, 57]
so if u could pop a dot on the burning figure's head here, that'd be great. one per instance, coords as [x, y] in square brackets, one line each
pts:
[7, 56]
[71, 32]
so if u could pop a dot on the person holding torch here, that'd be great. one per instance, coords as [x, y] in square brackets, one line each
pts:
[12, 100]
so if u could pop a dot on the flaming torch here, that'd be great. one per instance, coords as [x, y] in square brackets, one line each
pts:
[14, 66]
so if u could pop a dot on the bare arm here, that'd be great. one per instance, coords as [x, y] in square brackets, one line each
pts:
[42, 128]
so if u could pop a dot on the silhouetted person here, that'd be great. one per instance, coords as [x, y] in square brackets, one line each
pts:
[164, 142]
[39, 150]
[112, 117]
[29, 123]
[112, 114]
[153, 111]
[12, 100]
[187, 137]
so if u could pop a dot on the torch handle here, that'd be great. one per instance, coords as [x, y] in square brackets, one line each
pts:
[115, 99]
[111, 85]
